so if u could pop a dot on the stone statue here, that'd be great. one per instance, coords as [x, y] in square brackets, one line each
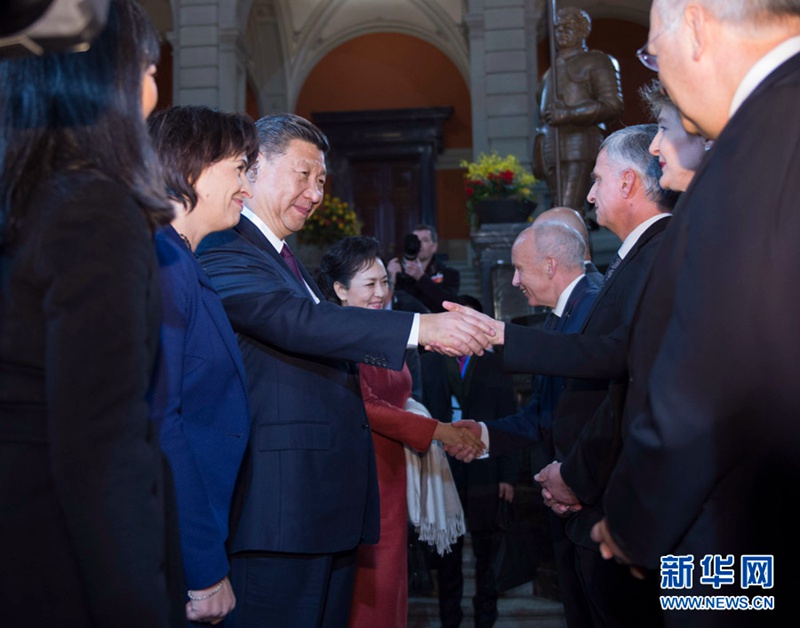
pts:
[586, 96]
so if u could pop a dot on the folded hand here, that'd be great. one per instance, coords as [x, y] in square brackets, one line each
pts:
[557, 495]
[609, 549]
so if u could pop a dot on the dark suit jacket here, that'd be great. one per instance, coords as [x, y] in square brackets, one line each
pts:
[710, 460]
[438, 283]
[308, 481]
[199, 402]
[84, 491]
[485, 394]
[594, 276]
[585, 469]
[534, 422]
[403, 302]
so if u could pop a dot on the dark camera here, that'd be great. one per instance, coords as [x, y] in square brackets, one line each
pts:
[411, 247]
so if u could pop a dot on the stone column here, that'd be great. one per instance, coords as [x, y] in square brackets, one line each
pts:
[503, 81]
[210, 55]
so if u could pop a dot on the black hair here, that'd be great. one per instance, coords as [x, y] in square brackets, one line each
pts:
[189, 139]
[432, 229]
[81, 111]
[343, 260]
[277, 130]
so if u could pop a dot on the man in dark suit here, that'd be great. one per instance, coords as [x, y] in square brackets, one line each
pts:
[472, 388]
[573, 218]
[426, 277]
[630, 203]
[307, 492]
[400, 301]
[709, 464]
[549, 268]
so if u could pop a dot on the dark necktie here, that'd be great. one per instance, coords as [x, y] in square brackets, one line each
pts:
[291, 262]
[551, 321]
[462, 364]
[612, 267]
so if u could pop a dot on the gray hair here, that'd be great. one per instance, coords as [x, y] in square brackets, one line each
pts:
[630, 148]
[560, 241]
[730, 10]
[655, 99]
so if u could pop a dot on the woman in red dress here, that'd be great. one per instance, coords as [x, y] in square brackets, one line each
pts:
[354, 275]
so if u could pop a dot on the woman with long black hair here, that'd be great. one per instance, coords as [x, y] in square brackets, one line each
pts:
[87, 530]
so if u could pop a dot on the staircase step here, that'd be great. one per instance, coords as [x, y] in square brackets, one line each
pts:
[520, 607]
[470, 278]
[423, 612]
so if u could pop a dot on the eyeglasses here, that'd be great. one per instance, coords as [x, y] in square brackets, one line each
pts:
[649, 61]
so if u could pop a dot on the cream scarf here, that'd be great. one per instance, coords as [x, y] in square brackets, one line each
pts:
[434, 508]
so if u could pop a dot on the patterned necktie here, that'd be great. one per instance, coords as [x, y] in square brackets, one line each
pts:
[291, 262]
[612, 267]
[551, 321]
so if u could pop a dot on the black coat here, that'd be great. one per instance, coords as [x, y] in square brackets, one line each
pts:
[484, 394]
[86, 502]
[308, 482]
[710, 460]
[585, 402]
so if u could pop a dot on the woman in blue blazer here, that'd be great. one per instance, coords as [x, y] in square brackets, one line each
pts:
[199, 398]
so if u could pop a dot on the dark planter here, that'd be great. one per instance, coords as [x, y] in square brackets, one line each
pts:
[493, 210]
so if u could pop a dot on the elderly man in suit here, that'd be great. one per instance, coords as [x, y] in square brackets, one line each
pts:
[711, 420]
[307, 492]
[549, 262]
[630, 203]
[574, 219]
[461, 389]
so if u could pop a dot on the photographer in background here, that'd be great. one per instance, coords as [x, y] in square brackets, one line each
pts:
[420, 273]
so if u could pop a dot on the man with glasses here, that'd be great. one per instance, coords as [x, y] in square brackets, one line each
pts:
[709, 466]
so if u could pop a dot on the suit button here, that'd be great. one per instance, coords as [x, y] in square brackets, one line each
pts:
[365, 426]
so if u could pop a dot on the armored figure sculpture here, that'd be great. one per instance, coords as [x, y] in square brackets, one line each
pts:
[575, 108]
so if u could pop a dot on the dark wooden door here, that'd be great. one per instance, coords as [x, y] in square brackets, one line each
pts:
[387, 196]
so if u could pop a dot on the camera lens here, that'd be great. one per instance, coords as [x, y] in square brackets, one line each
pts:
[411, 246]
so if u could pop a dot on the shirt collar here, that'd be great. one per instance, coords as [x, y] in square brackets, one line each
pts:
[563, 298]
[274, 240]
[633, 236]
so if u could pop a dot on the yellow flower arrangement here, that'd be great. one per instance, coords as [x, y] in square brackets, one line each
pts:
[493, 176]
[333, 220]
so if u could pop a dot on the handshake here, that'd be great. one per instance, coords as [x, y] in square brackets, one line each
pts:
[470, 445]
[459, 331]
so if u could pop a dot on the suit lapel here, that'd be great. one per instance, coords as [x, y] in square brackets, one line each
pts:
[217, 314]
[577, 292]
[253, 234]
[652, 230]
[226, 332]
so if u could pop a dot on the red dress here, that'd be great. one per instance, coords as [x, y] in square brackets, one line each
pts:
[380, 596]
